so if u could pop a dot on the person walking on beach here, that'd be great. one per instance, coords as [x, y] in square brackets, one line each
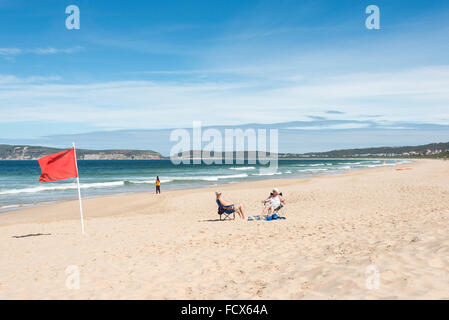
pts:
[158, 185]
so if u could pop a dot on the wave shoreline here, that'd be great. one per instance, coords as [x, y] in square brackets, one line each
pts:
[311, 173]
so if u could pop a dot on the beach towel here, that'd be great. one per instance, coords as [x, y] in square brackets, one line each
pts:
[264, 218]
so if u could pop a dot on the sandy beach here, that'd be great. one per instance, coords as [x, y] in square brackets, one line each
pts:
[341, 232]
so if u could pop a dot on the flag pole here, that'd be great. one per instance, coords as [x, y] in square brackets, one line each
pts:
[79, 191]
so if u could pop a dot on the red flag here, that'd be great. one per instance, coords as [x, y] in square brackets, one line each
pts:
[58, 166]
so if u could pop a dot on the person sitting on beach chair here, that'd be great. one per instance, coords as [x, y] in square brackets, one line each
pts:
[227, 208]
[273, 204]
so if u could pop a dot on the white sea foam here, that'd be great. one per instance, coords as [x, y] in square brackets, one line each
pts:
[10, 206]
[242, 175]
[312, 170]
[310, 165]
[143, 181]
[70, 186]
[242, 168]
[209, 178]
[266, 174]
[187, 178]
[65, 186]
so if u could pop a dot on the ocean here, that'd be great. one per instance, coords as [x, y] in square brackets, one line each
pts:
[19, 184]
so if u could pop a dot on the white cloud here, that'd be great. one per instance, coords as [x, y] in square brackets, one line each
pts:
[38, 51]
[339, 126]
[411, 95]
[7, 80]
[48, 51]
[10, 51]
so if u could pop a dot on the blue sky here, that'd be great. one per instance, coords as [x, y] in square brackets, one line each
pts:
[164, 64]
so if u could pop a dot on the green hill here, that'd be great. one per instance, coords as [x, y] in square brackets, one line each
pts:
[11, 152]
[432, 150]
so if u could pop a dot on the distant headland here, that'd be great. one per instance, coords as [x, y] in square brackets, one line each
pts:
[17, 152]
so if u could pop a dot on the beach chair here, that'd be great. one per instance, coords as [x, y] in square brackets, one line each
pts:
[226, 212]
[280, 211]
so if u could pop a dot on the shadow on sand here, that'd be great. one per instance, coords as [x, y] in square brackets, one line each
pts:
[213, 220]
[32, 235]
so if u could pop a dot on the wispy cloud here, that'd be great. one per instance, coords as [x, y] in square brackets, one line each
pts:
[410, 95]
[7, 80]
[10, 51]
[339, 126]
[334, 112]
[47, 51]
[39, 51]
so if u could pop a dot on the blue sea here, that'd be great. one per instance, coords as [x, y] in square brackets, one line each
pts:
[19, 184]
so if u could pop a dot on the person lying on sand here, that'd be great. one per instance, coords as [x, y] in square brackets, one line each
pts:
[272, 203]
[237, 207]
